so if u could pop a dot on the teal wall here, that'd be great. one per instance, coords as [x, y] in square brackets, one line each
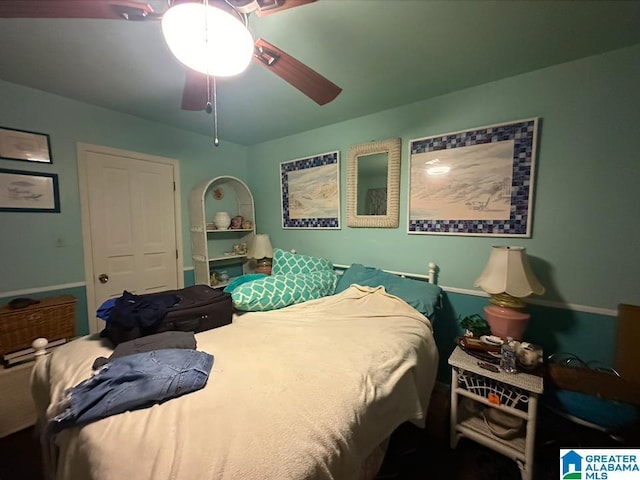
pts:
[30, 261]
[584, 246]
[585, 229]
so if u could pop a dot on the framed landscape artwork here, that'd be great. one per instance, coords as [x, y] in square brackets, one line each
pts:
[310, 190]
[25, 146]
[475, 182]
[28, 191]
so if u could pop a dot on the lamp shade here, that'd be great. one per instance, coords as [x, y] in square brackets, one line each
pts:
[207, 39]
[508, 271]
[260, 247]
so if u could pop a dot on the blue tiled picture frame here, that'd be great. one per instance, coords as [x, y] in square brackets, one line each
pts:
[311, 192]
[475, 182]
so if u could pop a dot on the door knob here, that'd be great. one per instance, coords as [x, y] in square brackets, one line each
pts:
[103, 277]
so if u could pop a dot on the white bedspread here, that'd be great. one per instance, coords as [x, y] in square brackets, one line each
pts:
[306, 392]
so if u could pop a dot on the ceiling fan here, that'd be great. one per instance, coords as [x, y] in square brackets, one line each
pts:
[197, 89]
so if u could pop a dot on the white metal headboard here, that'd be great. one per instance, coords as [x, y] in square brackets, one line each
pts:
[431, 276]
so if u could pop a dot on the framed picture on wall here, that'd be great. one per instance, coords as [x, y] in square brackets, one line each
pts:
[474, 182]
[311, 192]
[28, 191]
[25, 146]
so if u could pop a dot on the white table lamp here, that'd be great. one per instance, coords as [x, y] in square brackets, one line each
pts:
[262, 251]
[508, 278]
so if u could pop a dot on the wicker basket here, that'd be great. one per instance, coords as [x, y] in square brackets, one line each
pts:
[53, 318]
[494, 391]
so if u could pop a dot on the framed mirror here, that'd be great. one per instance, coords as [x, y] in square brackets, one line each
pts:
[373, 184]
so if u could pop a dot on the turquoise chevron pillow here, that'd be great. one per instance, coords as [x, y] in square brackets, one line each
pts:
[247, 277]
[278, 291]
[287, 262]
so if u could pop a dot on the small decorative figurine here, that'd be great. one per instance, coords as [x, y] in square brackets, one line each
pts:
[529, 355]
[236, 222]
[240, 248]
[247, 225]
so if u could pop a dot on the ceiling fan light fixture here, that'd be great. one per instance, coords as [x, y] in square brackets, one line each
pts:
[207, 39]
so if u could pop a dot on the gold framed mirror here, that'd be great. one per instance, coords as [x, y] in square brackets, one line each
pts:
[373, 184]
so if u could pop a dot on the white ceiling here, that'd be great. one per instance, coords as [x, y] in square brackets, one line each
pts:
[383, 53]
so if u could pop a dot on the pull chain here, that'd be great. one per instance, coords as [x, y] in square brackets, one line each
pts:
[215, 113]
[208, 107]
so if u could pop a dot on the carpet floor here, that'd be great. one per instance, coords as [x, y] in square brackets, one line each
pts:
[415, 454]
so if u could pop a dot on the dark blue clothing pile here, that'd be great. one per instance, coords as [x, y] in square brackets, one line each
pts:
[141, 311]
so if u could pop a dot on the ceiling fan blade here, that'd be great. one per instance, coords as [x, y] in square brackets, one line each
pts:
[267, 7]
[104, 9]
[194, 95]
[308, 81]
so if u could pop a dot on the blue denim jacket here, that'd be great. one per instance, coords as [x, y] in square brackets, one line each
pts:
[132, 382]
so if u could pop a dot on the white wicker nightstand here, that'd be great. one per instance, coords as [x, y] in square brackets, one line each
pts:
[518, 397]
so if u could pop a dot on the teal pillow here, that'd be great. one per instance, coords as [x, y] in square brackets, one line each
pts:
[287, 262]
[421, 295]
[236, 282]
[278, 291]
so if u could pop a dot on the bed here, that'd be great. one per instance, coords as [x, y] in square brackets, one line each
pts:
[309, 391]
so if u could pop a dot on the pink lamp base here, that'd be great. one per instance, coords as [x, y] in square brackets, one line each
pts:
[506, 322]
